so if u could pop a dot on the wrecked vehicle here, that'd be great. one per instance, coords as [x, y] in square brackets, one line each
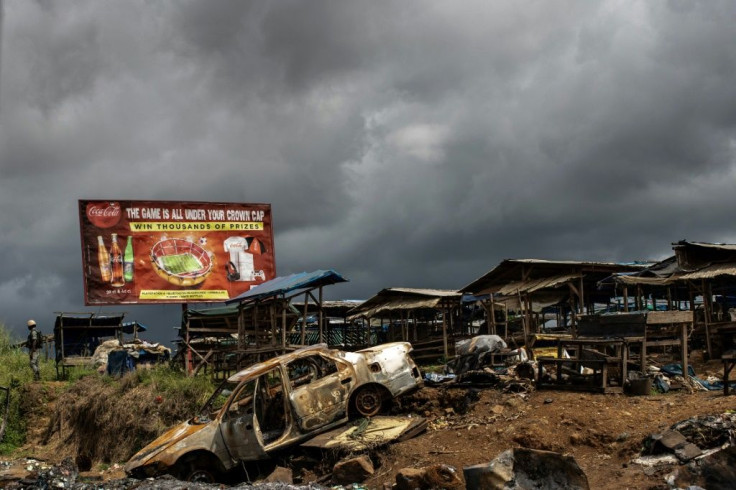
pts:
[276, 404]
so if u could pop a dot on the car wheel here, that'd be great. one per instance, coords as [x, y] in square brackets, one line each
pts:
[369, 401]
[194, 471]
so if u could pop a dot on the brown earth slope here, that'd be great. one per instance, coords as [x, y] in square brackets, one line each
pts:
[466, 427]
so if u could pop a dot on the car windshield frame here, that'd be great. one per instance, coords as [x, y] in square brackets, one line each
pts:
[217, 401]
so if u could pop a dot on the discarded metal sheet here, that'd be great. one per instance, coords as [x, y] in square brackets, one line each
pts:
[376, 431]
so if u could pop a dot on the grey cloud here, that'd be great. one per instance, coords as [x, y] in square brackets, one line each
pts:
[401, 143]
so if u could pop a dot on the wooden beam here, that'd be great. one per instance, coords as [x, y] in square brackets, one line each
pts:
[321, 318]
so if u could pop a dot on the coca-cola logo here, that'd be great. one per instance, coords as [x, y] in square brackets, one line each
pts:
[104, 214]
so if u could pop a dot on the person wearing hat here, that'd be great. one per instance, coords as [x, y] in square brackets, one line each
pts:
[34, 346]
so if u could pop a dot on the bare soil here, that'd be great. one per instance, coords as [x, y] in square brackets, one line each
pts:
[466, 427]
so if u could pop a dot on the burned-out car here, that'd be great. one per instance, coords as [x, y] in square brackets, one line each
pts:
[276, 404]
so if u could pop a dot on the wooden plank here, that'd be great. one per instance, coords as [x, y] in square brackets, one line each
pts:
[666, 317]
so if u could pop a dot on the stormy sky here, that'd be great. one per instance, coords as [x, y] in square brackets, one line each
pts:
[404, 143]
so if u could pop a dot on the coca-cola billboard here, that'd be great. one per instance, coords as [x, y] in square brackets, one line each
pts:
[144, 252]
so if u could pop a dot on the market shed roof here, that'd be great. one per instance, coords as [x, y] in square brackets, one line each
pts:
[692, 261]
[520, 273]
[282, 286]
[394, 299]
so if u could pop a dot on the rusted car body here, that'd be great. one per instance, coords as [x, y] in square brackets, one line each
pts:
[278, 403]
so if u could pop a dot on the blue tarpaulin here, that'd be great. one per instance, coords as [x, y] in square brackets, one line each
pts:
[287, 284]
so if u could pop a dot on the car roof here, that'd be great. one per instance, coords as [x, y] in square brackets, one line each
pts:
[261, 367]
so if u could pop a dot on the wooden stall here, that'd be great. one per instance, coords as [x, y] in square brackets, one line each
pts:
[425, 317]
[77, 335]
[528, 286]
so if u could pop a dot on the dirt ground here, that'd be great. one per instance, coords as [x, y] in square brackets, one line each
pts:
[473, 426]
[602, 432]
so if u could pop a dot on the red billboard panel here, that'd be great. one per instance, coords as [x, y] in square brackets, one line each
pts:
[143, 252]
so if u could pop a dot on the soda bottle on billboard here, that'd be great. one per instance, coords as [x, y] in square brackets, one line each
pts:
[116, 261]
[103, 260]
[128, 261]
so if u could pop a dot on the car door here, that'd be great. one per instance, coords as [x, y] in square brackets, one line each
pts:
[320, 386]
[239, 426]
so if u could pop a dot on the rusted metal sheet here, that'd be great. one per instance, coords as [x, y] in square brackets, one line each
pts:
[369, 433]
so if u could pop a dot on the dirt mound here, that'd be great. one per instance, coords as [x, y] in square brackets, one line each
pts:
[98, 420]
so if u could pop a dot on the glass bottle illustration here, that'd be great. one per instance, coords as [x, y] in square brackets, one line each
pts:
[103, 260]
[116, 261]
[128, 261]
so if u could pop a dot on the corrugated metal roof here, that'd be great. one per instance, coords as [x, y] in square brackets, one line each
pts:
[287, 284]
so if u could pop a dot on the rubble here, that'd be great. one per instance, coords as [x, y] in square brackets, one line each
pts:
[66, 476]
[689, 440]
[435, 476]
[527, 469]
[352, 470]
[280, 475]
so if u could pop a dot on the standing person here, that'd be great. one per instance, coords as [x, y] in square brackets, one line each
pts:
[34, 346]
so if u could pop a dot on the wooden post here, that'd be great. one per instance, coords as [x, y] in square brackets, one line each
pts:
[493, 315]
[254, 324]
[321, 318]
[284, 304]
[304, 319]
[187, 353]
[444, 332]
[272, 321]
[241, 327]
[706, 316]
[626, 299]
[683, 350]
[524, 325]
[644, 352]
[582, 296]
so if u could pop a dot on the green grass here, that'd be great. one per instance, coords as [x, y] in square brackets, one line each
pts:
[15, 371]
[176, 390]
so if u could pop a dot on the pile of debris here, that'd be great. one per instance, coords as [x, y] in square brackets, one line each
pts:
[705, 444]
[116, 357]
[486, 362]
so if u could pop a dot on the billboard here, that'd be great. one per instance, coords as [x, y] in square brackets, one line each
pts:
[145, 252]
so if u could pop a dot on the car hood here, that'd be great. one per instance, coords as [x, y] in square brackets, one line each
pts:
[164, 441]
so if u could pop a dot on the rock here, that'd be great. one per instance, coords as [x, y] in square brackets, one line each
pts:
[514, 402]
[672, 440]
[548, 400]
[497, 409]
[576, 439]
[281, 475]
[435, 476]
[687, 452]
[522, 469]
[353, 470]
[719, 469]
[623, 437]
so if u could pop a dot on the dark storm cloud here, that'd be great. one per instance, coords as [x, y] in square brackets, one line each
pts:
[401, 143]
